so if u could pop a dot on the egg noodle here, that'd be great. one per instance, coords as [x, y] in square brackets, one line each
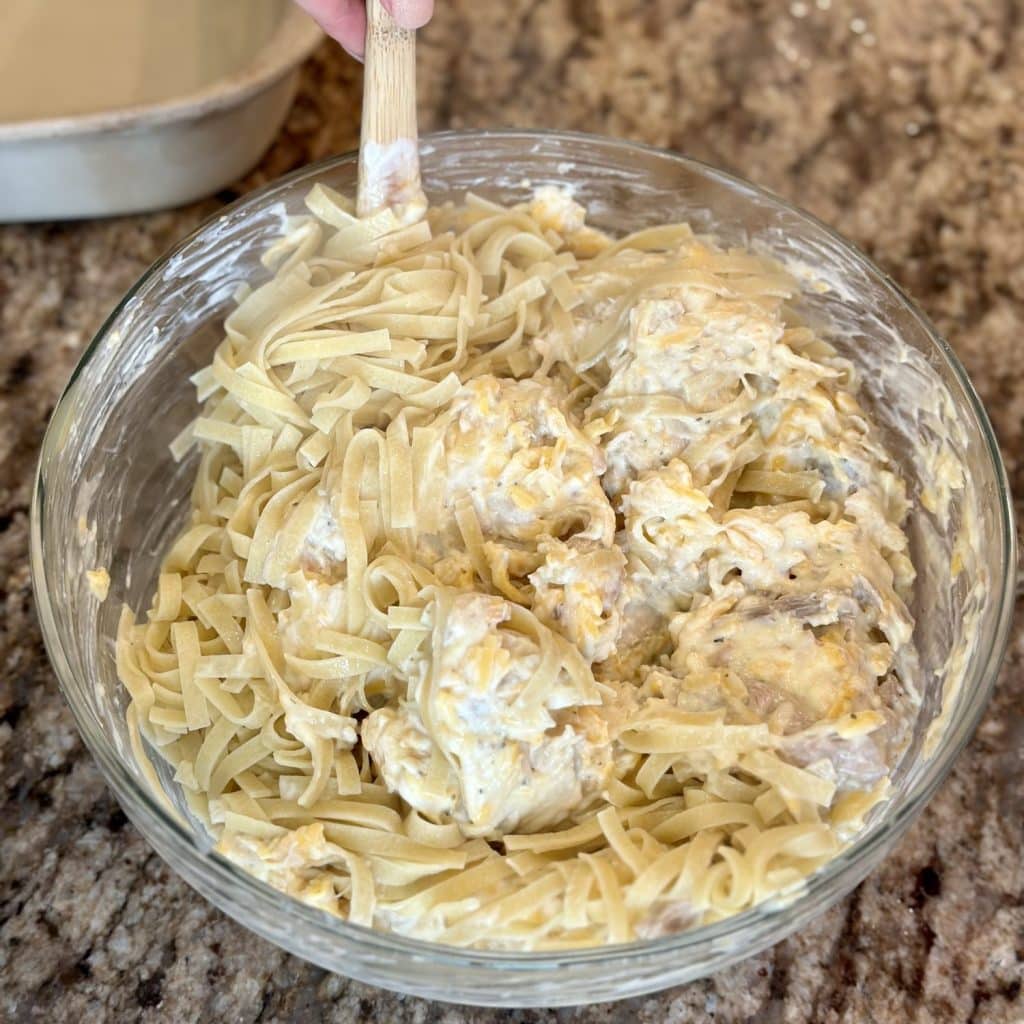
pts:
[540, 589]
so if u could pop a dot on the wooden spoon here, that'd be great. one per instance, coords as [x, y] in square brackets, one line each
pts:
[389, 163]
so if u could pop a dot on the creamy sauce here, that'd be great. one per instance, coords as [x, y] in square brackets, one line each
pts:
[59, 58]
[390, 171]
[618, 519]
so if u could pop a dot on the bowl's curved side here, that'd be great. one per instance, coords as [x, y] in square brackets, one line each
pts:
[154, 332]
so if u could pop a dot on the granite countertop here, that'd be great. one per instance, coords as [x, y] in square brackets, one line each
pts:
[898, 122]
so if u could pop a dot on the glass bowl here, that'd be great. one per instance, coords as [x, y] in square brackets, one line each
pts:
[109, 494]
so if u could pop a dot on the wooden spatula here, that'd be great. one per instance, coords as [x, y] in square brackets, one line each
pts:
[389, 164]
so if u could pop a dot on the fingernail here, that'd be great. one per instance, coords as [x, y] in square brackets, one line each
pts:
[407, 13]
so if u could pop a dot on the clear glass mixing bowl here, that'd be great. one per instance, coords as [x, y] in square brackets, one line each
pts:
[109, 494]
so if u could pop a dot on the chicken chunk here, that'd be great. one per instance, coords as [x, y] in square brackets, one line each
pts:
[694, 367]
[491, 734]
[851, 763]
[310, 539]
[576, 592]
[828, 437]
[669, 529]
[315, 605]
[554, 208]
[293, 862]
[676, 549]
[530, 472]
[774, 662]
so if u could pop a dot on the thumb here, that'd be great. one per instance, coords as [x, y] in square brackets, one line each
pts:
[343, 20]
[410, 13]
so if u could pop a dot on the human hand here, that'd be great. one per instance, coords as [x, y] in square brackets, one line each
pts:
[345, 20]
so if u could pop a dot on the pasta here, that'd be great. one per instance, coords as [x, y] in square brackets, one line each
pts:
[540, 589]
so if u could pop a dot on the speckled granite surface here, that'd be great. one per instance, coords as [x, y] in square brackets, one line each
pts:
[900, 123]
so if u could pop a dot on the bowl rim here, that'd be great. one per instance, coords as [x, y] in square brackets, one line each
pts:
[294, 37]
[851, 864]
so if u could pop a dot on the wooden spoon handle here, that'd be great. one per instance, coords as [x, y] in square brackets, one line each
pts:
[389, 166]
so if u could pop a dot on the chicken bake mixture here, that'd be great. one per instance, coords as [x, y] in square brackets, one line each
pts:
[541, 589]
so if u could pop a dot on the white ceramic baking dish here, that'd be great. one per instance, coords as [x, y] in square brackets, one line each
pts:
[159, 155]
